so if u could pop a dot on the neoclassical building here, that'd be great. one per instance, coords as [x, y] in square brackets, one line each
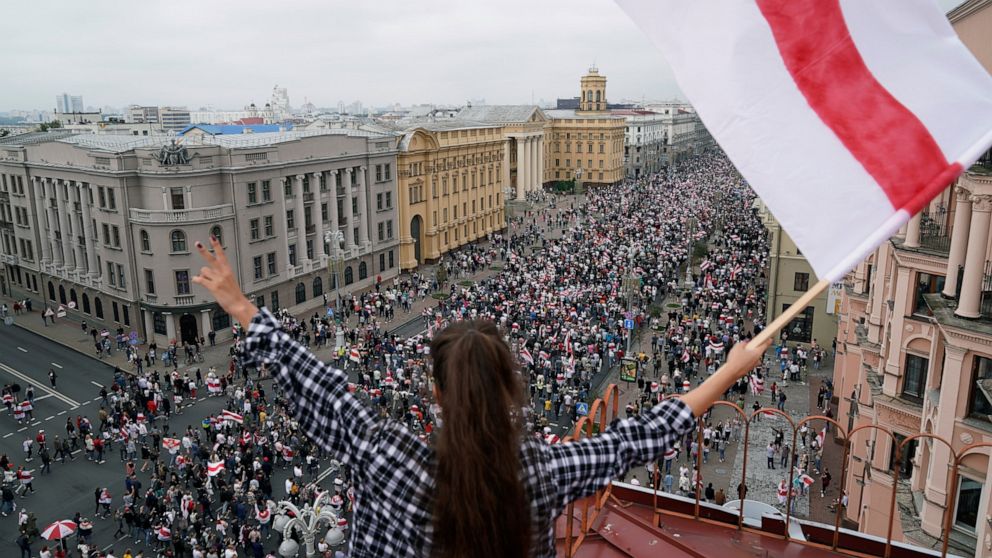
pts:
[102, 227]
[450, 181]
[523, 127]
[590, 139]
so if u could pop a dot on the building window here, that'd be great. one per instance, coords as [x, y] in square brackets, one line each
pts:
[318, 286]
[111, 199]
[387, 171]
[177, 197]
[178, 241]
[217, 233]
[292, 254]
[905, 464]
[800, 329]
[268, 226]
[117, 236]
[111, 274]
[382, 231]
[86, 303]
[378, 200]
[257, 265]
[221, 319]
[253, 229]
[979, 405]
[252, 193]
[98, 306]
[389, 200]
[378, 173]
[266, 191]
[391, 262]
[158, 323]
[290, 221]
[270, 261]
[926, 284]
[149, 281]
[182, 282]
[260, 302]
[966, 508]
[382, 262]
[113, 306]
[389, 228]
[349, 277]
[363, 271]
[301, 293]
[146, 243]
[915, 376]
[274, 295]
[800, 282]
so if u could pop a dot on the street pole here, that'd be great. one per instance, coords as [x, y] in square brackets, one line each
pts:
[336, 240]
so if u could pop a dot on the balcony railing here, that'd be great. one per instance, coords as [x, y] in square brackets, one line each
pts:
[986, 308]
[182, 215]
[584, 513]
[307, 197]
[185, 300]
[934, 230]
[9, 259]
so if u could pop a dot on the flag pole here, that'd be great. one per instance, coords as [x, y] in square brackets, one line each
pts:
[790, 313]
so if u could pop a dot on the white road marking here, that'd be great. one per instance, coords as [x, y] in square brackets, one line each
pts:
[61, 413]
[22, 429]
[8, 435]
[97, 384]
[46, 396]
[55, 364]
[36, 423]
[22, 349]
[50, 418]
[65, 399]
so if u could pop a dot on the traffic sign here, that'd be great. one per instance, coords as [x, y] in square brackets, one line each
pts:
[582, 408]
[628, 324]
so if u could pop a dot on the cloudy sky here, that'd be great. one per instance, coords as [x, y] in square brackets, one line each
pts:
[227, 53]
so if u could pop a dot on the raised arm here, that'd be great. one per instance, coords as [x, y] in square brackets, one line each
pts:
[328, 413]
[581, 468]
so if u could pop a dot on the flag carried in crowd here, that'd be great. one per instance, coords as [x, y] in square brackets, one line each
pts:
[846, 118]
[525, 354]
[232, 416]
[214, 468]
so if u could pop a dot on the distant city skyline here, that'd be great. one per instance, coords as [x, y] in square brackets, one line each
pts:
[227, 55]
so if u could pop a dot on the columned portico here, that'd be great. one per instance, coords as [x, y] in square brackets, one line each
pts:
[318, 219]
[349, 230]
[521, 173]
[969, 299]
[913, 231]
[43, 237]
[959, 240]
[301, 221]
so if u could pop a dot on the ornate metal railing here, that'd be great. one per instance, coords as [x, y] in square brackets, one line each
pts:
[934, 229]
[592, 505]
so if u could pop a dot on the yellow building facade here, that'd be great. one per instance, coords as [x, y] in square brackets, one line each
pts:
[450, 184]
[586, 143]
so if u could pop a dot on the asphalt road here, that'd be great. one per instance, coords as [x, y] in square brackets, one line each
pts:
[26, 357]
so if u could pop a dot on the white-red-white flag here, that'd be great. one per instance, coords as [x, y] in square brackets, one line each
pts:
[214, 468]
[846, 116]
[525, 354]
[354, 355]
[232, 416]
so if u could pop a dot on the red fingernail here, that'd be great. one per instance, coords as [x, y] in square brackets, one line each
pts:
[212, 237]
[199, 244]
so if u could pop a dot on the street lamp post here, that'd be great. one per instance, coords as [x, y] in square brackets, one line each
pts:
[307, 522]
[336, 240]
[691, 225]
[578, 181]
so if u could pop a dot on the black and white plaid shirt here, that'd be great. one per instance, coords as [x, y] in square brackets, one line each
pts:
[393, 467]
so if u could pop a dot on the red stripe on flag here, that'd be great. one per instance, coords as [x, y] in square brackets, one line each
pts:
[889, 141]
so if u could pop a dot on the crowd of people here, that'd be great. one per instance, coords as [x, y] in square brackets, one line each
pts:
[578, 288]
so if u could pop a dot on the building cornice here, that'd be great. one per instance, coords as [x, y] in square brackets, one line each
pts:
[966, 9]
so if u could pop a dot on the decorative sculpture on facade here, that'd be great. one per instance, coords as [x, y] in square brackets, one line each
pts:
[174, 154]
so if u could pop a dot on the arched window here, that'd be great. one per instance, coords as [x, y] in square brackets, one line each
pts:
[51, 291]
[363, 271]
[99, 307]
[146, 243]
[597, 96]
[218, 233]
[178, 241]
[72, 298]
[61, 294]
[349, 276]
[86, 303]
[301, 293]
[318, 286]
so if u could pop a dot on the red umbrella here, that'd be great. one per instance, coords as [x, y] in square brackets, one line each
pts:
[59, 530]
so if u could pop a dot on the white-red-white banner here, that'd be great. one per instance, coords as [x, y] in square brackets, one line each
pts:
[846, 116]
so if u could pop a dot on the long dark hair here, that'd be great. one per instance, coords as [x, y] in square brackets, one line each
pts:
[481, 508]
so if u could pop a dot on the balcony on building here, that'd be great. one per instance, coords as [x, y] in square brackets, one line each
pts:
[198, 215]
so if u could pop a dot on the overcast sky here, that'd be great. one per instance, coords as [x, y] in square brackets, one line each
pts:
[228, 53]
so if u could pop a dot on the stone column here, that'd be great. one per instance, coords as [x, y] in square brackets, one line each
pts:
[170, 326]
[505, 169]
[534, 167]
[363, 208]
[349, 229]
[318, 220]
[80, 249]
[540, 162]
[53, 221]
[970, 297]
[88, 233]
[913, 231]
[959, 240]
[301, 222]
[332, 209]
[935, 493]
[149, 325]
[63, 214]
[205, 324]
[285, 222]
[521, 173]
[44, 238]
